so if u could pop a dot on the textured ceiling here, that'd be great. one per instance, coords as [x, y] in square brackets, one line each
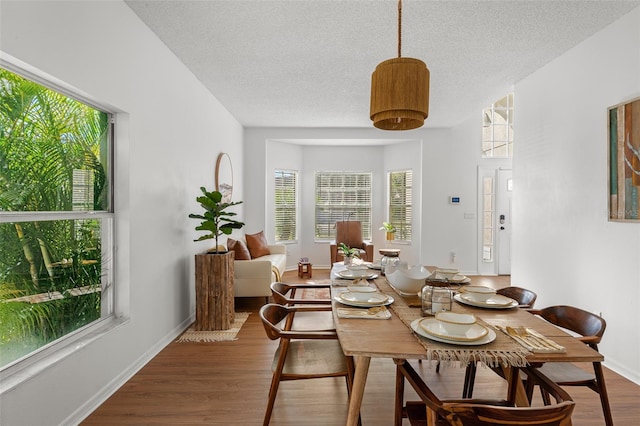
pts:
[309, 63]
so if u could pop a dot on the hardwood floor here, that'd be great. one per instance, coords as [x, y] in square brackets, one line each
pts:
[226, 383]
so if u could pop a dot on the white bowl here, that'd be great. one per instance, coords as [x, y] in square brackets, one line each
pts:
[478, 293]
[454, 323]
[359, 270]
[447, 273]
[408, 281]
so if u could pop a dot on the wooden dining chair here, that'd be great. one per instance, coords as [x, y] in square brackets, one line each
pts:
[302, 354]
[591, 329]
[293, 294]
[432, 411]
[526, 299]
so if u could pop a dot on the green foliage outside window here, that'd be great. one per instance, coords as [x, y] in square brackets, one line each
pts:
[53, 159]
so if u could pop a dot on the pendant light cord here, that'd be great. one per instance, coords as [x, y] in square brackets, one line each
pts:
[399, 28]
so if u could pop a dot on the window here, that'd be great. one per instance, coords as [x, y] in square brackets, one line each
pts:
[487, 219]
[497, 128]
[342, 196]
[286, 201]
[401, 203]
[55, 216]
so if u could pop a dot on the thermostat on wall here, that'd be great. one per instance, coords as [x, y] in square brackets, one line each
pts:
[454, 200]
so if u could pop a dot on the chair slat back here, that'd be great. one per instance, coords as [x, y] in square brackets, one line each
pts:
[525, 298]
[350, 233]
[272, 315]
[487, 415]
[279, 292]
[575, 319]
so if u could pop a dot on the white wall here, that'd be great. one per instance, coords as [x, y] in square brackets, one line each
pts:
[564, 247]
[170, 132]
[398, 157]
[444, 162]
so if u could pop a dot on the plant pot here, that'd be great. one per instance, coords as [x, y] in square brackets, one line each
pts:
[348, 260]
[214, 291]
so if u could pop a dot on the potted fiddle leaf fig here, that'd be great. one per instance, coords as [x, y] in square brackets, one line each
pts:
[214, 270]
[216, 220]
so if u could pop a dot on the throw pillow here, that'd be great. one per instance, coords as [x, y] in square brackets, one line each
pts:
[257, 244]
[239, 248]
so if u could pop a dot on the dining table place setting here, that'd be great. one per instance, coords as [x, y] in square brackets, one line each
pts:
[360, 299]
[457, 335]
[483, 297]
[454, 328]
[452, 276]
[358, 273]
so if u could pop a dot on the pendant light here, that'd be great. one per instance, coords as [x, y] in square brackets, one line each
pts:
[399, 90]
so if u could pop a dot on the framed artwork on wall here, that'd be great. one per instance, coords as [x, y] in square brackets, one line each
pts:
[624, 161]
[224, 177]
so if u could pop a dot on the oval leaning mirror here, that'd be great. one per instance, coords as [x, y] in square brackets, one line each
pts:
[224, 176]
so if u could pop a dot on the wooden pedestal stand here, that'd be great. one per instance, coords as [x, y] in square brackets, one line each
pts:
[214, 291]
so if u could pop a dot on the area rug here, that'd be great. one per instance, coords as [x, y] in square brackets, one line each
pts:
[192, 335]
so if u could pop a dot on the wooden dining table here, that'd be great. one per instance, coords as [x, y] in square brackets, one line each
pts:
[392, 338]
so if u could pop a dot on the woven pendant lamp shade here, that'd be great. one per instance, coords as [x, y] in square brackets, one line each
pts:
[399, 90]
[400, 94]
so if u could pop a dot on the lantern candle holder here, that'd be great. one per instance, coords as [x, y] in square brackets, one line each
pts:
[436, 296]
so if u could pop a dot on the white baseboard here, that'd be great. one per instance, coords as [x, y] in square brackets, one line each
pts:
[624, 372]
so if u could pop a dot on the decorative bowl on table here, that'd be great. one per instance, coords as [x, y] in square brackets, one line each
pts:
[454, 323]
[408, 281]
[446, 273]
[478, 293]
[358, 271]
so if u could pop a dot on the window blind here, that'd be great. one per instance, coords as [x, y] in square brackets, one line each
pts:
[401, 203]
[286, 200]
[342, 196]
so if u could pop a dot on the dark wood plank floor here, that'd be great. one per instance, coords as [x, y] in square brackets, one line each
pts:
[226, 383]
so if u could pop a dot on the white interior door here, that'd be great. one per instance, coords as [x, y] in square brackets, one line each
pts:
[504, 189]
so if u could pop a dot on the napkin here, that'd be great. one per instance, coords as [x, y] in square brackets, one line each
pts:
[378, 312]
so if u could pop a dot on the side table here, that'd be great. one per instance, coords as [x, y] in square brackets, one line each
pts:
[305, 269]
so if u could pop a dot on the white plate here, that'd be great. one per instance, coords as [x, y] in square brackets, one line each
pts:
[460, 279]
[369, 298]
[433, 327]
[361, 289]
[417, 328]
[495, 302]
[363, 305]
[349, 275]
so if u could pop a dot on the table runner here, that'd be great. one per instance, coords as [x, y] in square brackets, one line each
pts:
[503, 351]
